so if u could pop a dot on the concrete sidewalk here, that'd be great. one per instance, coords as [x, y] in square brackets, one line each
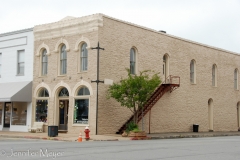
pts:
[113, 137]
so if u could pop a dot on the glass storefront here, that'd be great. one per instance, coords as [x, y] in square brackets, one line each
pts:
[41, 111]
[81, 111]
[1, 108]
[19, 113]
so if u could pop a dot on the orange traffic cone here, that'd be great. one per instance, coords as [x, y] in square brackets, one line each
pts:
[80, 137]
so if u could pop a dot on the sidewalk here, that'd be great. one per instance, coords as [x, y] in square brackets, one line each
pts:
[112, 137]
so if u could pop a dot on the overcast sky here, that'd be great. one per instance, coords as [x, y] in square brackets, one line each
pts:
[212, 22]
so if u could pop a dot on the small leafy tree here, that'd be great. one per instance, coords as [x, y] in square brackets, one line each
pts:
[134, 91]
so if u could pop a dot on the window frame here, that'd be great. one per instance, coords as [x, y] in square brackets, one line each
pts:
[193, 71]
[214, 75]
[236, 79]
[19, 63]
[83, 58]
[63, 60]
[133, 61]
[81, 97]
[44, 62]
[44, 98]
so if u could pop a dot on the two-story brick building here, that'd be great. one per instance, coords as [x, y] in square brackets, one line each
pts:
[65, 65]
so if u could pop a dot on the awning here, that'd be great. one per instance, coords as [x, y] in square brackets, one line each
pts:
[16, 92]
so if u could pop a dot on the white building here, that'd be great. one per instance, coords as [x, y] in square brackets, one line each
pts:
[16, 74]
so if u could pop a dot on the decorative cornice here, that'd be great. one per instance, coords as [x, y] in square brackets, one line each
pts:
[68, 27]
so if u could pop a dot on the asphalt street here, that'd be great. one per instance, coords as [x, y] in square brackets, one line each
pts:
[211, 148]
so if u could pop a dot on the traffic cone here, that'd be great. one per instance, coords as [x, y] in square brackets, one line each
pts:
[80, 137]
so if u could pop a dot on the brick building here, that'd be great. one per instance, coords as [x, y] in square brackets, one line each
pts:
[64, 66]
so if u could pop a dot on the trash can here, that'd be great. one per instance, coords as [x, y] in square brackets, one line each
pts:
[195, 127]
[52, 131]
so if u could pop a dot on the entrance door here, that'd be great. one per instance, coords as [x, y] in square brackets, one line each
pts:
[63, 114]
[7, 114]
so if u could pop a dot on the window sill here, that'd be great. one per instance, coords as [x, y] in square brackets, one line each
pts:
[79, 125]
[82, 72]
[64, 75]
[20, 75]
[42, 76]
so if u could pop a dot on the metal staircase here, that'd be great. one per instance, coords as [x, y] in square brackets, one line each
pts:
[171, 83]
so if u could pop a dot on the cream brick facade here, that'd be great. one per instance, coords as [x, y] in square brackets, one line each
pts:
[174, 112]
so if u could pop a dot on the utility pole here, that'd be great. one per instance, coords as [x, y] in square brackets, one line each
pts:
[97, 81]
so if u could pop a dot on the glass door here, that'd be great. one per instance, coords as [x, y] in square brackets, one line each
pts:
[63, 114]
[7, 114]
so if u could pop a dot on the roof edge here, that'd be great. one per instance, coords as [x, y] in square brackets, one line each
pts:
[172, 36]
[16, 32]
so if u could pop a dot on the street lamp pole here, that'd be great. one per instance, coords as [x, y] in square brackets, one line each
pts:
[97, 81]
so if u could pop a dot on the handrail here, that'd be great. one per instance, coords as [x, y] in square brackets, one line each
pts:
[170, 78]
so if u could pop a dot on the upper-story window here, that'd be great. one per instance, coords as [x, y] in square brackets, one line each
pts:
[20, 63]
[214, 75]
[84, 57]
[44, 62]
[193, 72]
[236, 78]
[132, 61]
[63, 60]
[0, 64]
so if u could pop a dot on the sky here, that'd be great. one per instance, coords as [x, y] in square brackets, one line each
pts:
[212, 22]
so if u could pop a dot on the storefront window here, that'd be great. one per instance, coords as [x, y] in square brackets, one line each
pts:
[42, 106]
[19, 113]
[81, 111]
[81, 107]
[1, 108]
[41, 110]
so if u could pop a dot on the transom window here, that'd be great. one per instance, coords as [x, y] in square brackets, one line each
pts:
[84, 57]
[63, 60]
[83, 91]
[132, 61]
[20, 65]
[63, 93]
[44, 62]
[43, 93]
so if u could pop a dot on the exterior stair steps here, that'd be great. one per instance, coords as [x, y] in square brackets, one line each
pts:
[170, 84]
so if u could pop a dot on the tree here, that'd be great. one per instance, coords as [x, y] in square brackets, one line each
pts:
[134, 91]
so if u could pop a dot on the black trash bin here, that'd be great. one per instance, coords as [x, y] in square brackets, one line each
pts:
[52, 131]
[195, 127]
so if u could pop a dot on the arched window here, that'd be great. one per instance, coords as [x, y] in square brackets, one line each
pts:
[84, 57]
[42, 106]
[236, 78]
[132, 61]
[63, 93]
[81, 107]
[193, 72]
[214, 75]
[44, 62]
[165, 67]
[43, 93]
[83, 91]
[63, 60]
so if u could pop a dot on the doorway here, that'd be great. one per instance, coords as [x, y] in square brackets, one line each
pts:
[210, 115]
[7, 114]
[63, 115]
